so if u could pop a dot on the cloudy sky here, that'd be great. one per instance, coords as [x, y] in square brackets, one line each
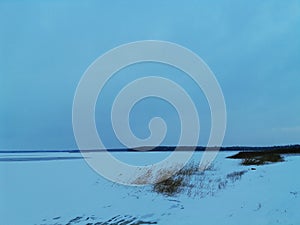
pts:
[253, 48]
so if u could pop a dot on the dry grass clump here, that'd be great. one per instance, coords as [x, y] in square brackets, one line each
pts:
[176, 183]
[191, 181]
[170, 186]
[257, 158]
[188, 180]
[235, 176]
[262, 159]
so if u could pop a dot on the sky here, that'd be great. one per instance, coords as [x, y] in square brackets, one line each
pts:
[253, 48]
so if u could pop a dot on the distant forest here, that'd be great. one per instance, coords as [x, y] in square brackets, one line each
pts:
[282, 149]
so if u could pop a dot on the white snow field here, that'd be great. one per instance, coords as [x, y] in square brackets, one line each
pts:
[67, 191]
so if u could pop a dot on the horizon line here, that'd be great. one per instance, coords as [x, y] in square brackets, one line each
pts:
[153, 149]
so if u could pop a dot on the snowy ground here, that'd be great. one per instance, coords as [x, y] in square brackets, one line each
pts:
[67, 191]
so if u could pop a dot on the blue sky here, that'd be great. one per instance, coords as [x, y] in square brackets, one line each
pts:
[253, 47]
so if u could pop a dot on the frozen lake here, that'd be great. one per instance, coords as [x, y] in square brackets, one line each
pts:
[60, 188]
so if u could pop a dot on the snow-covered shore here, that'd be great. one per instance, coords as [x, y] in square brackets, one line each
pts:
[67, 191]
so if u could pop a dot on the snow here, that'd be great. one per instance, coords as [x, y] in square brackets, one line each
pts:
[68, 191]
